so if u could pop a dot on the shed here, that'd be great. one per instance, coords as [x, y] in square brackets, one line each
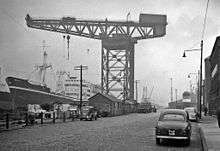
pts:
[106, 103]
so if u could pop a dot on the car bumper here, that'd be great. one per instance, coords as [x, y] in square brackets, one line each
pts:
[84, 117]
[172, 137]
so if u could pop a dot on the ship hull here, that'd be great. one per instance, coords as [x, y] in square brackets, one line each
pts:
[21, 97]
[23, 93]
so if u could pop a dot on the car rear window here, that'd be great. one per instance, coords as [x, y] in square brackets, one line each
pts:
[172, 117]
[190, 110]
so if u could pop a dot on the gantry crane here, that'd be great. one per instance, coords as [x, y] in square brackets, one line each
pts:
[117, 38]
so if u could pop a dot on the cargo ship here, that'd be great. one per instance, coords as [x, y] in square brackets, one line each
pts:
[25, 91]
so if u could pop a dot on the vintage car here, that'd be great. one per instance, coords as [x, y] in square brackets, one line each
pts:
[173, 124]
[74, 112]
[88, 113]
[193, 114]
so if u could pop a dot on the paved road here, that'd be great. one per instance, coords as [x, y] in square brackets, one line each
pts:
[123, 133]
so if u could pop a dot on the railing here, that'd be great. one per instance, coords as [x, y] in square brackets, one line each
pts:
[10, 121]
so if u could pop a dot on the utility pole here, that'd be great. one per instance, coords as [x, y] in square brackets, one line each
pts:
[198, 91]
[68, 46]
[81, 67]
[176, 94]
[171, 90]
[136, 87]
[200, 96]
[176, 97]
[200, 79]
[190, 86]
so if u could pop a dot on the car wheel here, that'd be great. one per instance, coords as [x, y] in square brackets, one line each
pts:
[91, 118]
[158, 141]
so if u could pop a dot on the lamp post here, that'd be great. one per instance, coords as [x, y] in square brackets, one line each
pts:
[136, 85]
[176, 97]
[171, 89]
[81, 67]
[200, 86]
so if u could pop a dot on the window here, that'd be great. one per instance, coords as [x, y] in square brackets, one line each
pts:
[69, 93]
[172, 117]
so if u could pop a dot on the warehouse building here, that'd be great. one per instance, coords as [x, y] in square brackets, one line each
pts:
[214, 92]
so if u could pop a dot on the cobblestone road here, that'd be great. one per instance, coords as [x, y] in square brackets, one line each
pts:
[123, 133]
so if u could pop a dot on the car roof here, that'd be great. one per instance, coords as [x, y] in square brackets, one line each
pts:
[87, 107]
[189, 108]
[175, 111]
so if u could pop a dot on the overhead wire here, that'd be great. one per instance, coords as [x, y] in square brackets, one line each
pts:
[203, 26]
[16, 21]
[198, 42]
[205, 19]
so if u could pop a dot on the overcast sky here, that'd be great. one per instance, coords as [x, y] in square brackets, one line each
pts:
[156, 60]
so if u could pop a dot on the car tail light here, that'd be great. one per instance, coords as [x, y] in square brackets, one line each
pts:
[157, 130]
[188, 128]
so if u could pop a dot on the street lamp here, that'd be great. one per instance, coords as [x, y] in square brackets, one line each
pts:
[200, 94]
[136, 87]
[192, 74]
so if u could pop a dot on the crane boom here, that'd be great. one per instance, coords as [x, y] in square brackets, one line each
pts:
[97, 29]
[118, 39]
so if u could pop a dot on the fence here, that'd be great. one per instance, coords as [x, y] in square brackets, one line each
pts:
[10, 121]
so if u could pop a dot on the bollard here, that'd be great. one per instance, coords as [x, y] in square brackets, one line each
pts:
[41, 117]
[7, 121]
[54, 118]
[26, 119]
[64, 117]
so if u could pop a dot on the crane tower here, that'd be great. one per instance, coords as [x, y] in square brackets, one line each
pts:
[117, 38]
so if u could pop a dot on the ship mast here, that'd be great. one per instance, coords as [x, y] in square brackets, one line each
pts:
[44, 66]
[0, 72]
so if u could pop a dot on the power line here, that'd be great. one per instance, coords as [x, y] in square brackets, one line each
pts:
[205, 18]
[204, 26]
[15, 21]
[198, 42]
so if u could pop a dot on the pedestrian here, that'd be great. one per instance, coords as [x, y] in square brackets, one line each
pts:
[31, 118]
[218, 115]
[205, 110]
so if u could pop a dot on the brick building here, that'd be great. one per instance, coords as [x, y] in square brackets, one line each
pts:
[214, 92]
[207, 82]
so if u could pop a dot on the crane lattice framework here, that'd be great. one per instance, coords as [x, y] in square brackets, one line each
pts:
[118, 40]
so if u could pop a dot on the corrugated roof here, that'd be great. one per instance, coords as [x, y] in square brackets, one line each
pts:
[111, 98]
